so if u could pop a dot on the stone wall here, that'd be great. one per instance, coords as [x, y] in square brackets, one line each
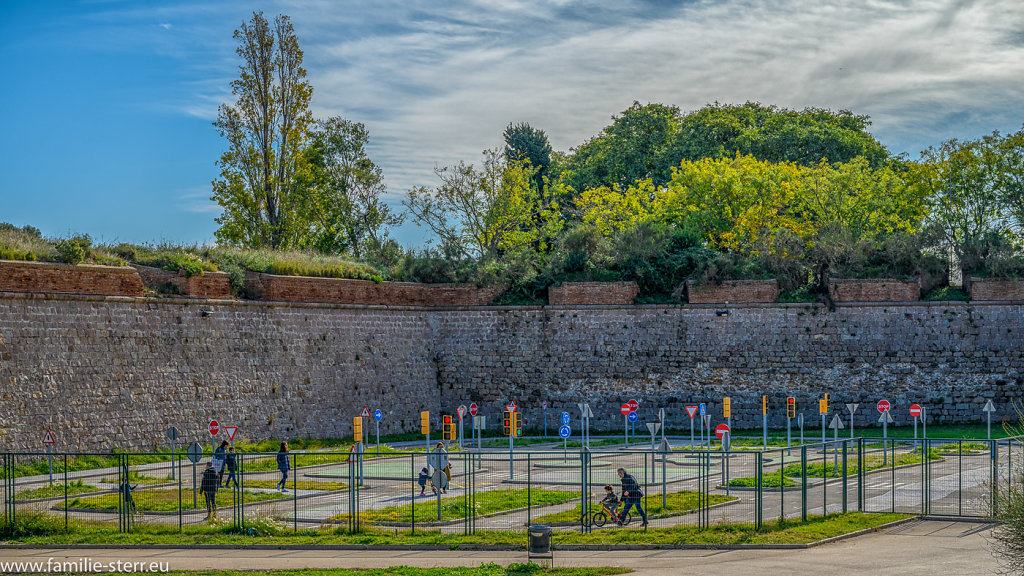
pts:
[48, 278]
[119, 372]
[592, 293]
[874, 290]
[990, 289]
[213, 285]
[343, 291]
[762, 291]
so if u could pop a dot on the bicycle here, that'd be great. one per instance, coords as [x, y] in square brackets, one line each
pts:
[601, 517]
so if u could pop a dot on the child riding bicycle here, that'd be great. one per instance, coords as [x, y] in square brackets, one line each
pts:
[610, 501]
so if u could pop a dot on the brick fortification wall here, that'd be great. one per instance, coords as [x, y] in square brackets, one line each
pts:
[881, 290]
[66, 279]
[989, 289]
[592, 293]
[733, 291]
[211, 285]
[305, 289]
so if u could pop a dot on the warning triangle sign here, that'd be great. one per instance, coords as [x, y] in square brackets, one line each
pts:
[365, 413]
[692, 411]
[48, 438]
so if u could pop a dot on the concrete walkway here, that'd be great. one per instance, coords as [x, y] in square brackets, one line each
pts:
[925, 548]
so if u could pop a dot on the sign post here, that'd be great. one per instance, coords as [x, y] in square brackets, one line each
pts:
[172, 435]
[214, 430]
[703, 423]
[915, 413]
[727, 410]
[377, 415]
[722, 431]
[764, 418]
[565, 431]
[852, 407]
[473, 409]
[544, 407]
[800, 423]
[48, 440]
[924, 422]
[823, 410]
[653, 428]
[194, 453]
[691, 411]
[836, 425]
[511, 407]
[462, 413]
[633, 407]
[885, 419]
[988, 410]
[790, 414]
[585, 414]
[661, 420]
[625, 422]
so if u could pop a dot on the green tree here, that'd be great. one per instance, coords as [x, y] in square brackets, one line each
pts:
[345, 206]
[1010, 174]
[266, 129]
[525, 143]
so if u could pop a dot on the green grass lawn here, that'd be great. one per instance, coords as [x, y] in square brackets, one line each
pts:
[135, 477]
[455, 507]
[301, 484]
[818, 469]
[772, 480]
[166, 500]
[678, 503]
[56, 490]
[49, 531]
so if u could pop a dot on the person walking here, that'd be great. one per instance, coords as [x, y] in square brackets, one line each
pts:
[231, 464]
[219, 457]
[209, 486]
[631, 495]
[283, 465]
[422, 481]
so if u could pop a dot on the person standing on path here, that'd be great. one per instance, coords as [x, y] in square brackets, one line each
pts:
[442, 464]
[283, 465]
[232, 465]
[219, 457]
[209, 486]
[631, 495]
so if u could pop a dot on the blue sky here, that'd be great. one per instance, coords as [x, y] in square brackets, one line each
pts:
[106, 105]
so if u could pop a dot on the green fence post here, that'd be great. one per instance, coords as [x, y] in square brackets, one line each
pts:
[892, 469]
[860, 474]
[181, 524]
[529, 502]
[803, 483]
[759, 462]
[295, 492]
[846, 482]
[994, 463]
[824, 479]
[65, 492]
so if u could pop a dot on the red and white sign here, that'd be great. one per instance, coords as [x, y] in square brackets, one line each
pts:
[625, 409]
[48, 438]
[462, 412]
[721, 430]
[883, 406]
[214, 427]
[510, 407]
[915, 410]
[692, 411]
[231, 431]
[352, 457]
[633, 405]
[473, 408]
[365, 413]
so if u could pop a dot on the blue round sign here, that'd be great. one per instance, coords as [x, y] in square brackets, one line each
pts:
[632, 416]
[565, 418]
[565, 431]
[377, 414]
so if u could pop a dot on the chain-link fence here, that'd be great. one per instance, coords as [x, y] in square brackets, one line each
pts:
[493, 489]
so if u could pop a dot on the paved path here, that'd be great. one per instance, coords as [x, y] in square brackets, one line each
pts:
[926, 548]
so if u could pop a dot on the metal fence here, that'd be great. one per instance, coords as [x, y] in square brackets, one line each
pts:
[464, 492]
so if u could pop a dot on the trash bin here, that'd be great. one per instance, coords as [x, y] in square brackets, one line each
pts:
[540, 539]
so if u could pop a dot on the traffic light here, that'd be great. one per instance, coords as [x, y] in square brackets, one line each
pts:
[517, 428]
[357, 429]
[425, 422]
[790, 407]
[726, 407]
[448, 428]
[823, 405]
[764, 405]
[506, 423]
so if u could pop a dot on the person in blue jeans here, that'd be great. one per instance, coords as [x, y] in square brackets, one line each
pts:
[283, 465]
[631, 495]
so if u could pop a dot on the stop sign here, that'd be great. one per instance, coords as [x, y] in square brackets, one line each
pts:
[214, 427]
[721, 430]
[625, 409]
[915, 410]
[473, 408]
[883, 406]
[633, 405]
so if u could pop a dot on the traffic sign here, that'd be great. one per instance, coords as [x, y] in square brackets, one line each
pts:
[510, 407]
[473, 408]
[633, 405]
[172, 433]
[513, 404]
[564, 431]
[883, 406]
[378, 415]
[365, 413]
[565, 418]
[214, 427]
[886, 418]
[48, 438]
[231, 430]
[692, 411]
[462, 412]
[703, 409]
[653, 427]
[544, 405]
[915, 410]
[194, 452]
[661, 414]
[989, 407]
[721, 430]
[836, 423]
[632, 416]
[852, 407]
[625, 409]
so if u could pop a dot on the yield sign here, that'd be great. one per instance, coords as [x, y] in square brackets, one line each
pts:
[692, 411]
[462, 412]
[365, 413]
[231, 431]
[48, 438]
[510, 407]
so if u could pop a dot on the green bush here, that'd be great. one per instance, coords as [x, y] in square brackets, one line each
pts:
[74, 250]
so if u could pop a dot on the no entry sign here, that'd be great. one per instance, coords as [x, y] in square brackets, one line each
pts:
[473, 409]
[692, 411]
[625, 409]
[721, 430]
[883, 406]
[915, 410]
[214, 427]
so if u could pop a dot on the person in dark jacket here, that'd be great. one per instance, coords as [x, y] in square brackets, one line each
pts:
[283, 465]
[631, 495]
[422, 481]
[219, 456]
[209, 486]
[232, 465]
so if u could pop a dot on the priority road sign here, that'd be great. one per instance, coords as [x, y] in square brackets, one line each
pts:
[172, 433]
[691, 411]
[231, 430]
[564, 431]
[632, 416]
[214, 427]
[365, 413]
[473, 408]
[883, 406]
[48, 438]
[915, 410]
[378, 415]
[721, 430]
[565, 418]
[625, 409]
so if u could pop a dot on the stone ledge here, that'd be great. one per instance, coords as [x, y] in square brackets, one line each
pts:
[995, 289]
[52, 278]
